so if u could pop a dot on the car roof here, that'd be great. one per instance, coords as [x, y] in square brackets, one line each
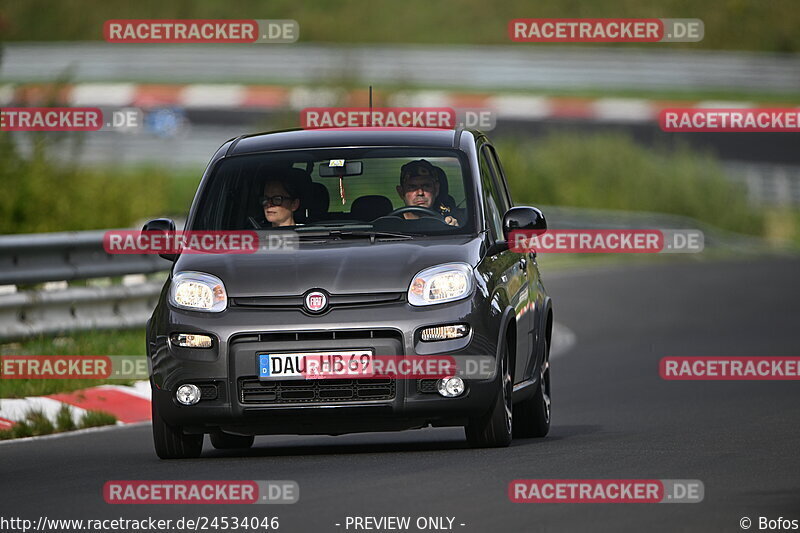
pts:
[351, 137]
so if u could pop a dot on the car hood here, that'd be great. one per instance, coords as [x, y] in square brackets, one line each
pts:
[339, 267]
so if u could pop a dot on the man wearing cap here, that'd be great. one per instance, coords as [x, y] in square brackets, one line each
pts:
[419, 187]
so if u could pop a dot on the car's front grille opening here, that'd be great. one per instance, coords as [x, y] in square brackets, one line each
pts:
[334, 301]
[302, 336]
[254, 391]
[427, 386]
[208, 391]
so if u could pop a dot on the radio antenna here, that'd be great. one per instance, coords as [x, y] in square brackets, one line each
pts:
[370, 106]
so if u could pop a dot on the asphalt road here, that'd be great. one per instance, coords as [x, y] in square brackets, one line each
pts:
[613, 418]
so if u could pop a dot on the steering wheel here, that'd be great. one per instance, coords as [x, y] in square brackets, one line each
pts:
[422, 211]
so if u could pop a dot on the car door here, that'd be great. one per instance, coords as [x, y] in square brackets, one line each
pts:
[535, 292]
[514, 275]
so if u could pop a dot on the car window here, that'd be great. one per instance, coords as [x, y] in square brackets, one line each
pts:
[491, 199]
[232, 197]
[381, 177]
[500, 175]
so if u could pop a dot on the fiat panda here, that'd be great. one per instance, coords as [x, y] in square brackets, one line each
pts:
[372, 243]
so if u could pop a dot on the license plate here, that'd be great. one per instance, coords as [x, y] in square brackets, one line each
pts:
[305, 365]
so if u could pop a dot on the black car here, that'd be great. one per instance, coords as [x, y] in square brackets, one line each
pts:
[395, 243]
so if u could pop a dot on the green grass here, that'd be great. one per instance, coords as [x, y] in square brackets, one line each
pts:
[36, 423]
[93, 419]
[729, 24]
[64, 420]
[117, 342]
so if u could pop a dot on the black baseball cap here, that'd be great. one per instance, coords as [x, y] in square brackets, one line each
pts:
[420, 167]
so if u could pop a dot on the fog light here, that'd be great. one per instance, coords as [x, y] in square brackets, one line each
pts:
[188, 394]
[442, 333]
[450, 387]
[191, 340]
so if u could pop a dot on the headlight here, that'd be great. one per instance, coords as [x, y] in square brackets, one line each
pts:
[440, 284]
[198, 292]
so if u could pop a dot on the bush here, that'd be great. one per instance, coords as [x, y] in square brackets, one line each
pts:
[41, 196]
[611, 171]
[730, 24]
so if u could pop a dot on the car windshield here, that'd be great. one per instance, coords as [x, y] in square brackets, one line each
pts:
[348, 191]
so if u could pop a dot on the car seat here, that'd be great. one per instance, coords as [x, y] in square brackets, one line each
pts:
[370, 207]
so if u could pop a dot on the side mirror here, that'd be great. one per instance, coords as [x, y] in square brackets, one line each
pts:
[518, 218]
[163, 225]
[523, 218]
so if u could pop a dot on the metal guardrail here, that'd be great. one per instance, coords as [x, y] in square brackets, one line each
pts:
[518, 67]
[71, 256]
[39, 257]
[773, 185]
[42, 312]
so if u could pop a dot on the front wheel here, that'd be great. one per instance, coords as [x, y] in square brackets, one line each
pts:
[493, 430]
[170, 441]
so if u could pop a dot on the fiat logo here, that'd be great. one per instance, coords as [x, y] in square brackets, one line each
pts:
[316, 302]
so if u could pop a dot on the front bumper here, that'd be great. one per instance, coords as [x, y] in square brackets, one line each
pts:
[226, 370]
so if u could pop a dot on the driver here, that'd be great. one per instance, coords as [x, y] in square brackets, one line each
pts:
[419, 187]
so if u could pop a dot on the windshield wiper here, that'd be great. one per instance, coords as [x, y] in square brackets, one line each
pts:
[372, 234]
[381, 234]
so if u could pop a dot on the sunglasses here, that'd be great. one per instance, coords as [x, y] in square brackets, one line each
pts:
[274, 200]
[427, 187]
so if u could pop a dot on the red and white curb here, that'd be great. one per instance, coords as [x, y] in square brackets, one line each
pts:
[129, 404]
[270, 97]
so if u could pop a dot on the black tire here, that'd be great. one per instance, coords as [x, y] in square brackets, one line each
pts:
[226, 441]
[493, 430]
[170, 441]
[532, 416]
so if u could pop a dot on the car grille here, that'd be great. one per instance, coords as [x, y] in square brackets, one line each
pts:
[306, 336]
[254, 391]
[208, 391]
[427, 386]
[334, 301]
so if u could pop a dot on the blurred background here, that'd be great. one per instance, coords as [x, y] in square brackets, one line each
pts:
[576, 126]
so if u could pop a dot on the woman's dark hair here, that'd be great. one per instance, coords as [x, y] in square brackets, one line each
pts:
[293, 180]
